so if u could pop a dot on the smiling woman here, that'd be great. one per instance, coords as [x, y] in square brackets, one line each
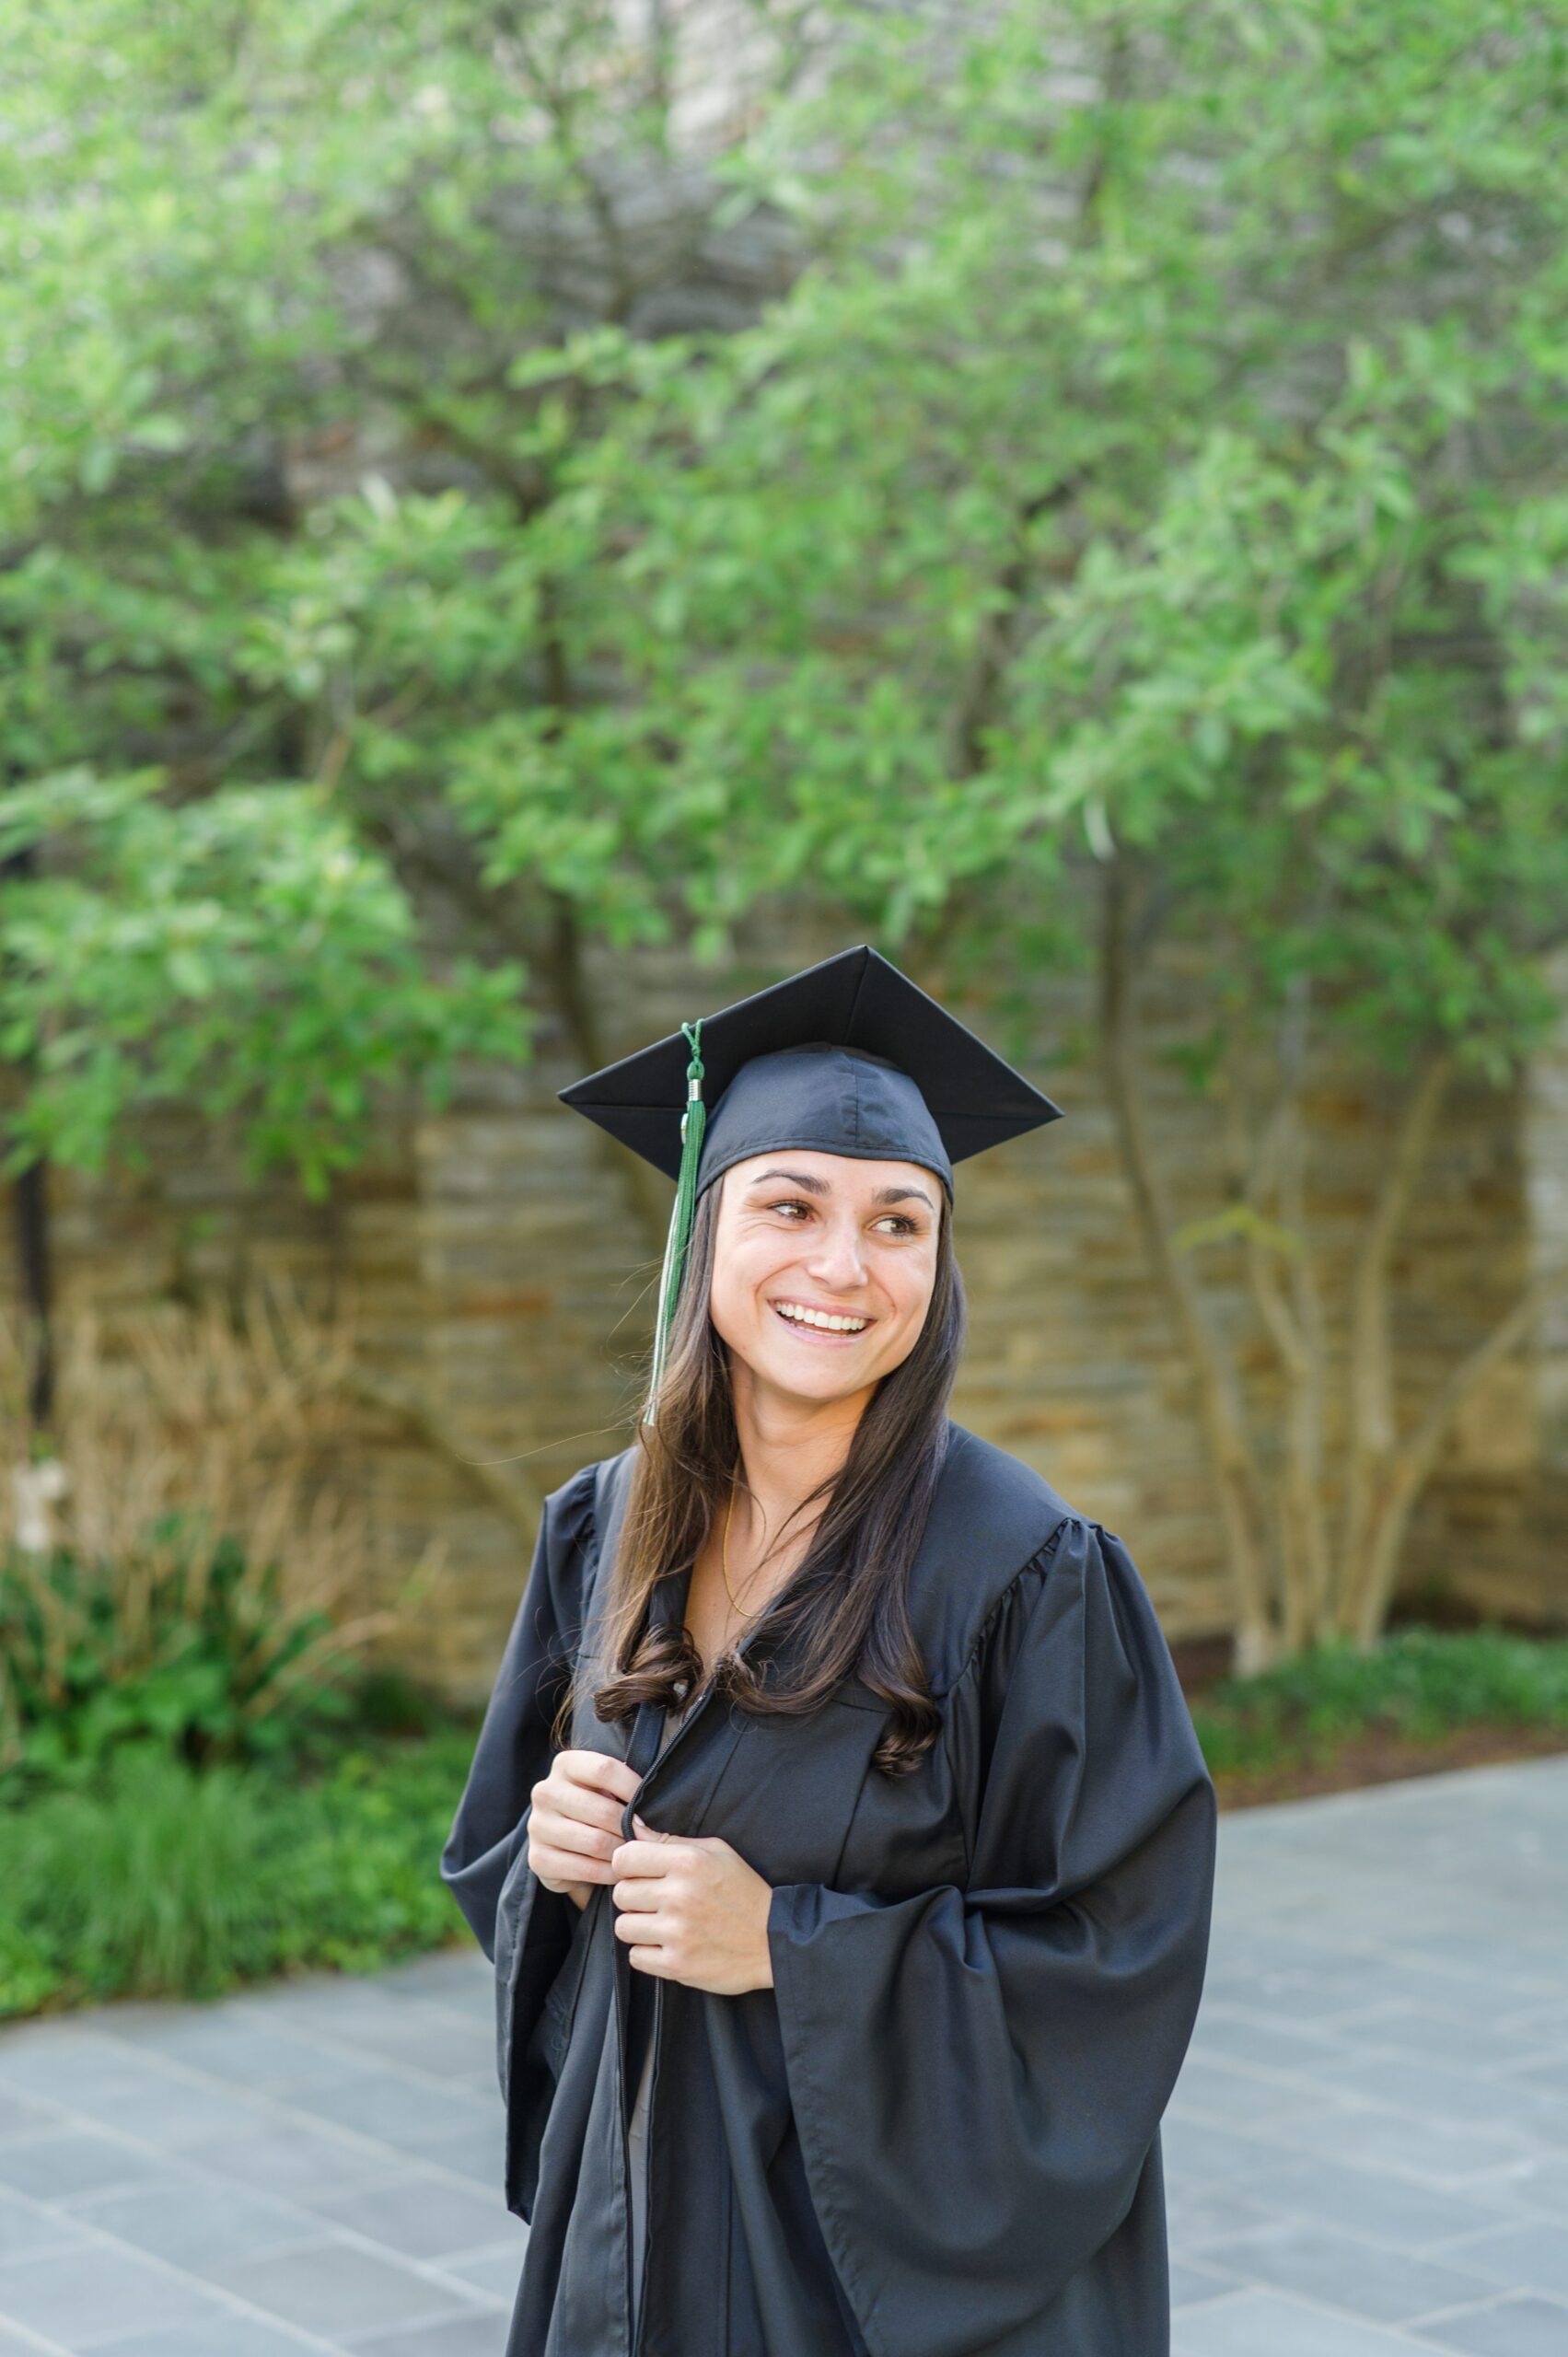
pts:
[828, 1261]
[837, 1829]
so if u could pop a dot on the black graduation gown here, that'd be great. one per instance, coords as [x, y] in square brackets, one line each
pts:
[937, 2135]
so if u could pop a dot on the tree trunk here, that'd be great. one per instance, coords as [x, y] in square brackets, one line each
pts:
[1373, 1483]
[1257, 1633]
[1369, 1584]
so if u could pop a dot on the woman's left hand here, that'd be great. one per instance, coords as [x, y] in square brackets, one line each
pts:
[694, 1910]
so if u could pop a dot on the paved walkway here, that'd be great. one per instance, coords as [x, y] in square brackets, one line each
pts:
[1367, 2154]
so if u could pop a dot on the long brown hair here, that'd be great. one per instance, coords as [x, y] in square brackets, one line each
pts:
[844, 1610]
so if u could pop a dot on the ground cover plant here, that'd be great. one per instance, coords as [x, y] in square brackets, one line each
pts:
[160, 1879]
[1423, 1698]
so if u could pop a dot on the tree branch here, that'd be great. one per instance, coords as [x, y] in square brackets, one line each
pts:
[1372, 1434]
[1415, 1461]
[1223, 1416]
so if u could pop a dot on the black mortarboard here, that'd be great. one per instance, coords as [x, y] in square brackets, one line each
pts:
[848, 1057]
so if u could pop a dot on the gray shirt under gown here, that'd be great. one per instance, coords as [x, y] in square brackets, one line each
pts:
[637, 2127]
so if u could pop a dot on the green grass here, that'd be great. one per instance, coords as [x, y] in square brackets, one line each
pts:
[159, 1881]
[162, 1882]
[1418, 1683]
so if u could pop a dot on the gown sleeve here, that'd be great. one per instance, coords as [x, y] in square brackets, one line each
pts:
[977, 2074]
[490, 1830]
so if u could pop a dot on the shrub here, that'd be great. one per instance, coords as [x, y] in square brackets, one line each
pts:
[1418, 1682]
[220, 1665]
[190, 1575]
[163, 1882]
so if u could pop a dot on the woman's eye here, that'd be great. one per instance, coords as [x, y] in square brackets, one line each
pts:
[895, 1220]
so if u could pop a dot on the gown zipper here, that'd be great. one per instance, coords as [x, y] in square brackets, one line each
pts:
[636, 2302]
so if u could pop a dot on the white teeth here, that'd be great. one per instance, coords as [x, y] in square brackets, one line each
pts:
[821, 1317]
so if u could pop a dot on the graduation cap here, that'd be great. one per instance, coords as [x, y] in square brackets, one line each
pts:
[846, 1057]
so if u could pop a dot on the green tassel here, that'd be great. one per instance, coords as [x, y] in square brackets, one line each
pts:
[694, 1121]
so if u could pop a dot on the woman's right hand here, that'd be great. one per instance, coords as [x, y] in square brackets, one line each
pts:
[574, 1827]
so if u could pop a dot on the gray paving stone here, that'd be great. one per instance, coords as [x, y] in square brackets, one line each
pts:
[1511, 1958]
[1271, 2323]
[1371, 2116]
[471, 2001]
[228, 2336]
[1542, 2185]
[1545, 2054]
[1434, 2152]
[1448, 2034]
[55, 2059]
[1531, 2255]
[297, 2160]
[22, 2116]
[1369, 2201]
[223, 2045]
[425, 2038]
[220, 2043]
[1343, 2270]
[1192, 2282]
[326, 2005]
[1520, 2325]
[428, 2215]
[493, 2274]
[475, 2336]
[1468, 2099]
[78, 2298]
[1200, 2152]
[395, 2108]
[1197, 2215]
[336, 2289]
[476, 2151]
[199, 2222]
[29, 2227]
[1543, 2022]
[1403, 1954]
[462, 1967]
[1403, 1974]
[1549, 2081]
[167, 2112]
[1233, 2091]
[1309, 1990]
[458, 1976]
[72, 2161]
[1237, 2033]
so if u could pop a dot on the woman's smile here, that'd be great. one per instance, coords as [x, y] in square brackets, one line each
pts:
[814, 1322]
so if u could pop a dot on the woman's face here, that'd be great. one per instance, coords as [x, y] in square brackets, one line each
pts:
[833, 1237]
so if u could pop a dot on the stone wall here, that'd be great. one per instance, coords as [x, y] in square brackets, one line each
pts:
[502, 1275]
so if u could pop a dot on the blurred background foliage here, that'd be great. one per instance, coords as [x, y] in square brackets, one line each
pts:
[203, 1776]
[1135, 431]
[200, 1579]
[1024, 481]
[477, 480]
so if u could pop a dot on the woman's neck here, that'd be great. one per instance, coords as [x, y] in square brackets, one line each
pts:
[788, 1446]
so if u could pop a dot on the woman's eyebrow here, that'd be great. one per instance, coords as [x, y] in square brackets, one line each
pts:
[824, 1187]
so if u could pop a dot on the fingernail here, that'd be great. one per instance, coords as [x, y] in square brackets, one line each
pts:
[638, 1822]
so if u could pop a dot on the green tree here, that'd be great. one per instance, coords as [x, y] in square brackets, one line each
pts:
[1015, 487]
[1145, 515]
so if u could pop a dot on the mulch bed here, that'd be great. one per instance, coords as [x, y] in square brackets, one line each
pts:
[1381, 1756]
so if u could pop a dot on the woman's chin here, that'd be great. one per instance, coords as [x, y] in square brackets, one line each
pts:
[800, 1372]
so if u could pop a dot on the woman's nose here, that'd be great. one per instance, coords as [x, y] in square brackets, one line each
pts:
[836, 1261]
